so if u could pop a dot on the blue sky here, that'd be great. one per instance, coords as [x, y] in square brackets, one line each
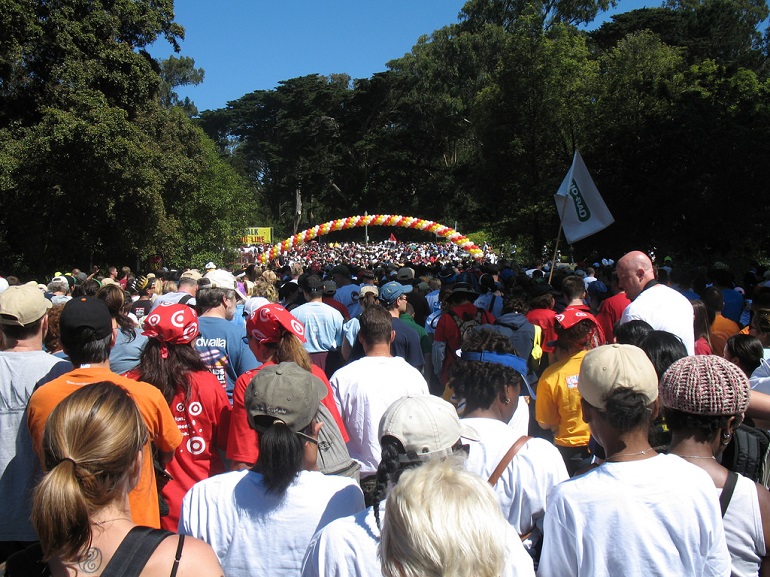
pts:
[247, 45]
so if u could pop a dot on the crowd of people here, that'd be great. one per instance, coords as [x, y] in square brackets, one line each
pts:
[390, 409]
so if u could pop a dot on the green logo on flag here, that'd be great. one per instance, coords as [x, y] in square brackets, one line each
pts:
[581, 206]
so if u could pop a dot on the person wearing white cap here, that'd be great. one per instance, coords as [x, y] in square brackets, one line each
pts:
[59, 289]
[640, 513]
[23, 322]
[414, 430]
[220, 343]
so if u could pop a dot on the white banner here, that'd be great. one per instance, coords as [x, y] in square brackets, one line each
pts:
[581, 208]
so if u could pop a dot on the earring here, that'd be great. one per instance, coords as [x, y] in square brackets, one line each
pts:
[506, 400]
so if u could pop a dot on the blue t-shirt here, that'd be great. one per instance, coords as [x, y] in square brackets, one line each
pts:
[222, 349]
[323, 326]
[127, 352]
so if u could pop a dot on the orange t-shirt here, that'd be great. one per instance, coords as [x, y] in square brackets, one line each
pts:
[164, 433]
[722, 329]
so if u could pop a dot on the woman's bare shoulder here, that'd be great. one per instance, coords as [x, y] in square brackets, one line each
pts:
[197, 559]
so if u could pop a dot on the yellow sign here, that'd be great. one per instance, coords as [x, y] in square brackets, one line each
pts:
[258, 235]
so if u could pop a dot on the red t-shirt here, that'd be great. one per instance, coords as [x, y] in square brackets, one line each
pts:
[610, 312]
[243, 441]
[544, 318]
[204, 421]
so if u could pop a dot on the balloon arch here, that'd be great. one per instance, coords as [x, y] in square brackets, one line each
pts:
[373, 220]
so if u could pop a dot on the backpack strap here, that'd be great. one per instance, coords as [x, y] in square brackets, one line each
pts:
[507, 458]
[727, 491]
[134, 551]
[184, 299]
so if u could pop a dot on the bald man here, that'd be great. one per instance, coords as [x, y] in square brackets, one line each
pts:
[663, 307]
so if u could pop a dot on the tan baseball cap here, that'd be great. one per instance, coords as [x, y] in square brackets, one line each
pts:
[192, 273]
[22, 305]
[609, 367]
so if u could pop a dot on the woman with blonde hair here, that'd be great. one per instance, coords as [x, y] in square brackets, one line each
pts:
[93, 445]
[443, 521]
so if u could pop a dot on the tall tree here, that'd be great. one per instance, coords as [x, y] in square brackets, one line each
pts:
[91, 166]
[176, 72]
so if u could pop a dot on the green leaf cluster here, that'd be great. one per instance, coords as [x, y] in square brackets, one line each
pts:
[479, 121]
[99, 161]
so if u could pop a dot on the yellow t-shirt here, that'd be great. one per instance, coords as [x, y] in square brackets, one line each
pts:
[558, 402]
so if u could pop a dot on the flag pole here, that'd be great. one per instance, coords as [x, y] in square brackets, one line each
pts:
[558, 236]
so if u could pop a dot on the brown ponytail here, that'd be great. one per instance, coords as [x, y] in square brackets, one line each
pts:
[91, 442]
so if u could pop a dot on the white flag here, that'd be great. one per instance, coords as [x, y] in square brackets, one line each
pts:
[581, 208]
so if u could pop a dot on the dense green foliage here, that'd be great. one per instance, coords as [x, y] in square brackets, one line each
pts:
[99, 162]
[478, 124]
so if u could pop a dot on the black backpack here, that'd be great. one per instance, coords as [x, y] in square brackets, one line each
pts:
[748, 454]
[465, 324]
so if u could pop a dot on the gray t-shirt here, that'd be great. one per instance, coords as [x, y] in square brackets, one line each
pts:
[19, 466]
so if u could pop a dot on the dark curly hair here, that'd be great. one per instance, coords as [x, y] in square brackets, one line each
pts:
[626, 409]
[480, 382]
[389, 470]
[578, 335]
[702, 427]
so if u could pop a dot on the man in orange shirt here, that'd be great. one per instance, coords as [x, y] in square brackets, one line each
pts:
[87, 334]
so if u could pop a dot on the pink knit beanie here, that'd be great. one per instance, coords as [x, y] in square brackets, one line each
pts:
[705, 385]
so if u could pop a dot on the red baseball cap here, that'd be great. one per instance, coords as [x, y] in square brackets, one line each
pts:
[269, 322]
[172, 323]
[570, 317]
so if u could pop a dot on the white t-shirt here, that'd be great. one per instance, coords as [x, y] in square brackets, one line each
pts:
[524, 485]
[364, 390]
[654, 517]
[520, 420]
[760, 378]
[743, 529]
[254, 532]
[348, 548]
[665, 310]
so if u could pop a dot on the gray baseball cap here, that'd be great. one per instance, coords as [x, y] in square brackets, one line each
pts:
[285, 392]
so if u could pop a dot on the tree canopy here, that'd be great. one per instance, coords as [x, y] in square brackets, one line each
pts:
[98, 160]
[477, 124]
[479, 121]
